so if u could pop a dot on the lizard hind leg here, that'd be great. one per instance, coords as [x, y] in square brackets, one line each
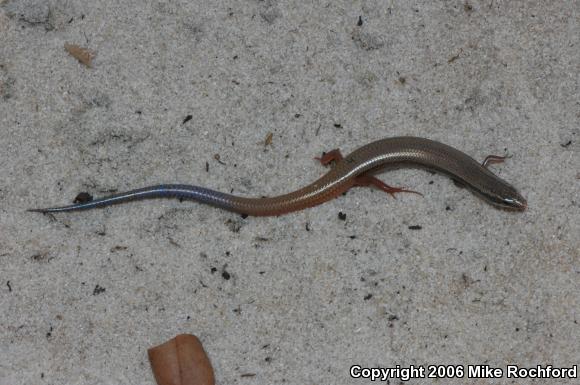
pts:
[371, 181]
[363, 180]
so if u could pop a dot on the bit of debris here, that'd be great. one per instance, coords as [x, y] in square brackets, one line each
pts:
[98, 290]
[218, 158]
[187, 119]
[366, 41]
[415, 227]
[234, 225]
[318, 129]
[83, 55]
[248, 375]
[341, 216]
[268, 140]
[360, 21]
[83, 197]
[174, 242]
[41, 257]
[453, 58]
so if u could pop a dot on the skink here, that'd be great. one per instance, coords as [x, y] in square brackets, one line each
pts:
[356, 169]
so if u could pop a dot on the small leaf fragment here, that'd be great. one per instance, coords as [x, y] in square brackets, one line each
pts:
[269, 138]
[83, 55]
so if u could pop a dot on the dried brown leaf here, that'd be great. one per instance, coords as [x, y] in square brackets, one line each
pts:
[268, 140]
[83, 55]
[181, 361]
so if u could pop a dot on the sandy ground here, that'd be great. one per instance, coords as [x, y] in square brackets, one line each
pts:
[296, 299]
